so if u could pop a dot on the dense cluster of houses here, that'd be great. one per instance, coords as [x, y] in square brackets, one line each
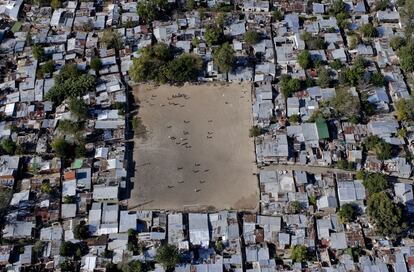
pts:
[51, 200]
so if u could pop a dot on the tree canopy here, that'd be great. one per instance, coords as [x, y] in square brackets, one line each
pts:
[112, 39]
[347, 213]
[345, 104]
[304, 59]
[324, 79]
[8, 146]
[369, 31]
[70, 83]
[224, 57]
[382, 149]
[167, 256]
[375, 183]
[60, 147]
[299, 254]
[150, 10]
[38, 52]
[405, 109]
[387, 216]
[214, 36]
[78, 107]
[158, 64]
[81, 231]
[354, 74]
[289, 85]
[407, 57]
[251, 37]
[96, 63]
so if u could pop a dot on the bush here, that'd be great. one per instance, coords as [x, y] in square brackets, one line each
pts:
[294, 119]
[38, 52]
[407, 57]
[255, 131]
[299, 254]
[295, 207]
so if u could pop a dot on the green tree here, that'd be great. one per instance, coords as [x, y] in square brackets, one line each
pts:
[81, 231]
[186, 67]
[96, 63]
[255, 131]
[397, 42]
[134, 266]
[338, 6]
[387, 216]
[377, 79]
[336, 64]
[294, 119]
[295, 207]
[251, 37]
[220, 19]
[369, 31]
[151, 10]
[167, 256]
[45, 187]
[8, 146]
[60, 147]
[407, 57]
[151, 63]
[289, 85]
[66, 249]
[323, 80]
[383, 151]
[190, 5]
[355, 74]
[213, 36]
[347, 213]
[78, 107]
[70, 82]
[48, 67]
[278, 15]
[405, 109]
[381, 5]
[304, 59]
[299, 254]
[375, 183]
[55, 4]
[38, 52]
[112, 39]
[224, 57]
[344, 104]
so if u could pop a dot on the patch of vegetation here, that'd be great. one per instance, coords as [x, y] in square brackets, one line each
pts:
[157, 63]
[347, 213]
[70, 83]
[387, 216]
[167, 256]
[299, 254]
[375, 183]
[255, 131]
[382, 149]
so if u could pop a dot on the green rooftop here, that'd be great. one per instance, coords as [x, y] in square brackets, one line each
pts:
[322, 127]
[16, 27]
[77, 164]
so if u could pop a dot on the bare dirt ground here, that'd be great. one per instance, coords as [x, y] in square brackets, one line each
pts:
[194, 152]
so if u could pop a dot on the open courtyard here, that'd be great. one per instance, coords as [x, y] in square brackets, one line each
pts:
[192, 148]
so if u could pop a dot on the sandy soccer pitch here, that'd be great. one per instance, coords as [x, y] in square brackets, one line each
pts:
[192, 148]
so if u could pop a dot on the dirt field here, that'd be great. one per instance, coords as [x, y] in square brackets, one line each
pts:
[193, 152]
